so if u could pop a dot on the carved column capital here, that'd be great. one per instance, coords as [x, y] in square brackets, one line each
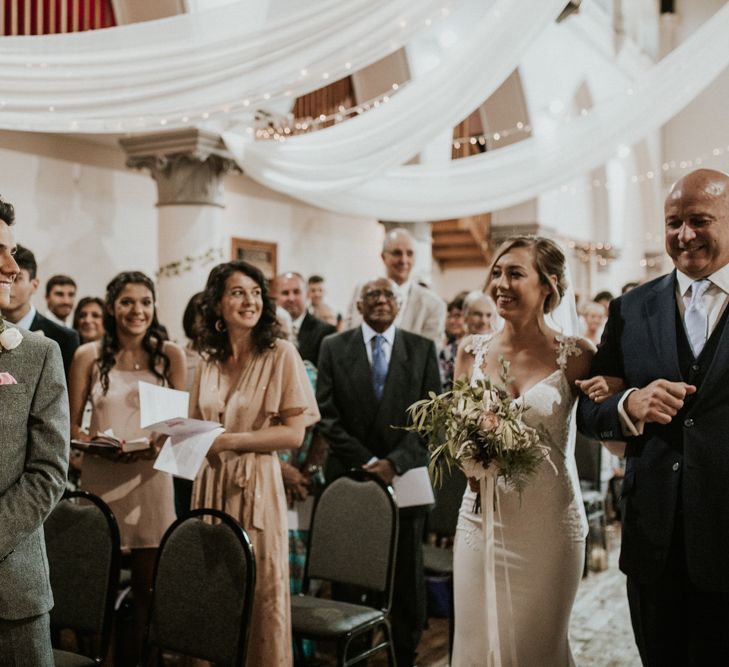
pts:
[187, 165]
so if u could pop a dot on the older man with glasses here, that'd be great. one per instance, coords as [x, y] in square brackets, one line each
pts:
[368, 377]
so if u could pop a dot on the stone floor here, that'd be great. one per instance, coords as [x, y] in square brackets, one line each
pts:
[600, 631]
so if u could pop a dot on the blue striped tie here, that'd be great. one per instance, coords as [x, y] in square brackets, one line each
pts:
[379, 365]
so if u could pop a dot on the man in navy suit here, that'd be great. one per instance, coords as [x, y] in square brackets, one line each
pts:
[23, 313]
[669, 342]
[368, 377]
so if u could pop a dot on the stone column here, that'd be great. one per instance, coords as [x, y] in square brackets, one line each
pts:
[188, 166]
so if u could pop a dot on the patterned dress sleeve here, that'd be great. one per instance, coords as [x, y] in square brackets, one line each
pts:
[567, 347]
[289, 392]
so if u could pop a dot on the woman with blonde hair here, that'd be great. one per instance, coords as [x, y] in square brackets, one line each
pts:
[539, 534]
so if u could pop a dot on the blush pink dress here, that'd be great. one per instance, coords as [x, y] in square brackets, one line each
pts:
[140, 497]
[249, 486]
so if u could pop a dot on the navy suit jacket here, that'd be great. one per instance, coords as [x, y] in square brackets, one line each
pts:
[311, 334]
[680, 466]
[356, 425]
[66, 338]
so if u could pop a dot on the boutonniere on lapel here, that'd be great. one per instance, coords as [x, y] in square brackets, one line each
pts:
[10, 337]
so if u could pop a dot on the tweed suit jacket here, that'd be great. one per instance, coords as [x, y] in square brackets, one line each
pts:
[34, 441]
[424, 314]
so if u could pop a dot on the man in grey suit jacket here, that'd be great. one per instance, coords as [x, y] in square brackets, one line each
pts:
[422, 311]
[34, 437]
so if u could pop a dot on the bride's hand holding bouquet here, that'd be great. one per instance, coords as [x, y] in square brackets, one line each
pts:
[479, 427]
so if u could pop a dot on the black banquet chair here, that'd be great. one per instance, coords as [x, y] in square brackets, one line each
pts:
[82, 543]
[202, 595]
[352, 542]
[588, 455]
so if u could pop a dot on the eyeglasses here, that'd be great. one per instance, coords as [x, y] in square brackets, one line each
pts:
[375, 294]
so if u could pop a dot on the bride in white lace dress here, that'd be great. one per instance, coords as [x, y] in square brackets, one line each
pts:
[539, 537]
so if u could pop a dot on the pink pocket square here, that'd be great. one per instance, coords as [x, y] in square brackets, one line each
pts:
[6, 378]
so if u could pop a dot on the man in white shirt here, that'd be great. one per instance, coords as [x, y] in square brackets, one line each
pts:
[668, 341]
[60, 298]
[422, 311]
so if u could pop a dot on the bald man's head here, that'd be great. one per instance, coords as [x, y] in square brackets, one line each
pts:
[697, 222]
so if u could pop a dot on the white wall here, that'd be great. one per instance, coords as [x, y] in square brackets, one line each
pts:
[82, 212]
[449, 283]
[84, 220]
[343, 249]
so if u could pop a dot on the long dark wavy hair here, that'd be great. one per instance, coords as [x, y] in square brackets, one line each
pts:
[214, 343]
[153, 340]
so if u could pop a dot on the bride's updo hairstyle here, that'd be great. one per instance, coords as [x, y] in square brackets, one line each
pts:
[549, 261]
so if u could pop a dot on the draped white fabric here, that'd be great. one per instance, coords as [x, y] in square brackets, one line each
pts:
[346, 154]
[512, 174]
[182, 67]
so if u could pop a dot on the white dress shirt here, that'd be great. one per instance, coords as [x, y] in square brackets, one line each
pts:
[25, 321]
[296, 325]
[53, 318]
[369, 333]
[715, 300]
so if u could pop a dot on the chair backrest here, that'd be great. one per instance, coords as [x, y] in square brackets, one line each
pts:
[203, 588]
[443, 518]
[82, 543]
[588, 456]
[353, 534]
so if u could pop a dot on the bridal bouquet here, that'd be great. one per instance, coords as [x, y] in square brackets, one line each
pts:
[480, 427]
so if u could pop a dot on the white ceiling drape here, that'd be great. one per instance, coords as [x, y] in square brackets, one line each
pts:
[185, 69]
[509, 175]
[346, 154]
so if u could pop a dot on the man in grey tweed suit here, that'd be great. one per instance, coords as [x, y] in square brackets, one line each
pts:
[34, 437]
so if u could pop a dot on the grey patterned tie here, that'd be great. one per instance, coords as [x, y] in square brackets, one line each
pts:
[696, 317]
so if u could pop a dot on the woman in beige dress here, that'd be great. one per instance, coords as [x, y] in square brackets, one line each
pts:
[257, 387]
[107, 373]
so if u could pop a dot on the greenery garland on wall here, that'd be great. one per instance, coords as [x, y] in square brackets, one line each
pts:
[188, 263]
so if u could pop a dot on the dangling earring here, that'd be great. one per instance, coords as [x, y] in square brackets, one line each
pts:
[220, 325]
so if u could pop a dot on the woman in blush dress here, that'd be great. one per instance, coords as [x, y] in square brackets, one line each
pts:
[539, 535]
[107, 373]
[256, 385]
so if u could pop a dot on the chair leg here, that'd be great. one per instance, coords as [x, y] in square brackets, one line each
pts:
[391, 658]
[342, 650]
[451, 619]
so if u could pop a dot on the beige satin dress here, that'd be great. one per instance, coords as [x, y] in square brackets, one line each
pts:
[140, 497]
[249, 486]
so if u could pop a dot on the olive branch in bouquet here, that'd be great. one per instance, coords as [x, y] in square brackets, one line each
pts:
[479, 427]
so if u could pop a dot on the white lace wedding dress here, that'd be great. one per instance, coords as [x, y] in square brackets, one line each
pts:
[539, 543]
